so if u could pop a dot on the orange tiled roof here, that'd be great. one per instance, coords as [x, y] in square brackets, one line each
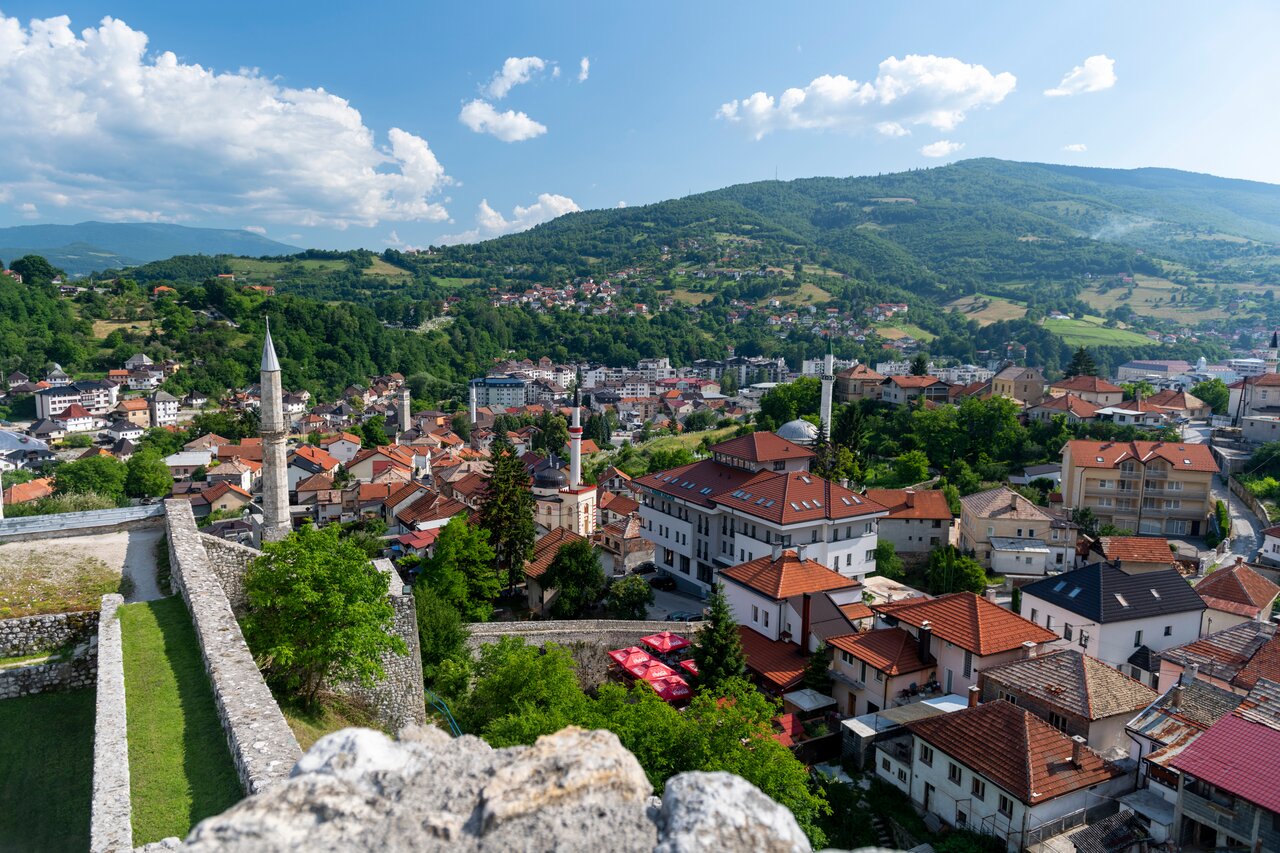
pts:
[762, 447]
[891, 650]
[1015, 749]
[1088, 384]
[1238, 589]
[1136, 549]
[316, 456]
[915, 381]
[969, 621]
[910, 503]
[545, 550]
[31, 490]
[1109, 454]
[779, 665]
[1070, 403]
[786, 576]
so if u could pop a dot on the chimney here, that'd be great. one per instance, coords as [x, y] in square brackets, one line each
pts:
[911, 497]
[923, 636]
[974, 693]
[1175, 701]
[1190, 673]
[777, 550]
[1028, 650]
[801, 550]
[990, 594]
[1077, 751]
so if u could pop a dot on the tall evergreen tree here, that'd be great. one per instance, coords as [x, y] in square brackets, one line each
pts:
[506, 513]
[920, 365]
[717, 649]
[1082, 364]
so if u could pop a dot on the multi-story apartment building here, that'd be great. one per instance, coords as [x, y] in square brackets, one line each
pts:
[1154, 488]
[754, 492]
[1007, 533]
[501, 391]
[1024, 384]
[97, 396]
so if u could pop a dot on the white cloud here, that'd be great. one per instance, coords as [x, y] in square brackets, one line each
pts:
[1075, 147]
[891, 128]
[123, 133]
[509, 126]
[491, 223]
[516, 70]
[936, 91]
[584, 69]
[29, 210]
[941, 148]
[1097, 73]
[622, 204]
[256, 229]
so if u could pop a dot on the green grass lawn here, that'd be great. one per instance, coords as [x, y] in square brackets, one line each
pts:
[333, 714]
[180, 768]
[46, 771]
[1093, 334]
[689, 440]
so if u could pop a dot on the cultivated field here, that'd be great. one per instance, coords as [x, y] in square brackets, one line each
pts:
[903, 329]
[1091, 333]
[102, 328]
[987, 309]
[1150, 298]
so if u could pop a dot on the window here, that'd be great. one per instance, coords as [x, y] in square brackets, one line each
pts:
[847, 658]
[968, 663]
[863, 677]
[879, 675]
[1084, 639]
[926, 754]
[884, 763]
[755, 613]
[1067, 632]
[902, 775]
[1006, 806]
[953, 773]
[1058, 721]
[1168, 630]
[871, 555]
[1035, 615]
[1137, 639]
[766, 618]
[978, 788]
[1048, 621]
[779, 465]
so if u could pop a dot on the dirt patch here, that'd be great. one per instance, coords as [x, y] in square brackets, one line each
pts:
[61, 575]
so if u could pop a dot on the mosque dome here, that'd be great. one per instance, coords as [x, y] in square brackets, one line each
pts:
[550, 478]
[799, 431]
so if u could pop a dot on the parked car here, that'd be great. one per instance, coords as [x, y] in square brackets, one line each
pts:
[646, 568]
[663, 582]
[683, 616]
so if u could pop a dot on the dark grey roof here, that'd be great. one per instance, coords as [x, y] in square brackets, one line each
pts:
[1103, 593]
[164, 397]
[1201, 702]
[1116, 834]
[1144, 659]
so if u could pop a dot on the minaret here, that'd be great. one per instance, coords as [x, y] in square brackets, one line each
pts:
[473, 403]
[275, 481]
[1273, 354]
[402, 411]
[828, 382]
[575, 446]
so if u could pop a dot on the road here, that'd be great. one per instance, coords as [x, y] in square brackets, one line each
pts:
[1246, 529]
[670, 602]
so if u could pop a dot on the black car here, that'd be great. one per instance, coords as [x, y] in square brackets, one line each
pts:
[646, 568]
[663, 582]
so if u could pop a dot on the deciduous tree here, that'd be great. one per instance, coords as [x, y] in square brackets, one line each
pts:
[576, 574]
[460, 571]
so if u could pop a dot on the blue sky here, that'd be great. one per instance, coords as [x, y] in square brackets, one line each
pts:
[212, 114]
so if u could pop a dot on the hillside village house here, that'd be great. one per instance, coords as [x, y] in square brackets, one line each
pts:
[136, 410]
[1153, 488]
[1069, 406]
[1074, 693]
[164, 409]
[1024, 384]
[920, 648]
[1120, 617]
[998, 769]
[1091, 389]
[1009, 534]
[918, 521]
[859, 382]
[753, 493]
[771, 594]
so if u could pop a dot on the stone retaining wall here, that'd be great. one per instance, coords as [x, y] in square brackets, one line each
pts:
[230, 561]
[110, 821]
[79, 671]
[27, 635]
[262, 745]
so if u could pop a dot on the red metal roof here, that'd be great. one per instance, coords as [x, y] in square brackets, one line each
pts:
[1236, 755]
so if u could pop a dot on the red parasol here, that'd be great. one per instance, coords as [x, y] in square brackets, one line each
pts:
[665, 641]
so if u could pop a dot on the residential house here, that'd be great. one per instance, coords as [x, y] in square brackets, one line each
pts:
[1074, 693]
[903, 390]
[32, 490]
[1024, 384]
[1180, 404]
[1091, 389]
[1233, 659]
[1154, 488]
[306, 461]
[76, 418]
[366, 464]
[344, 446]
[184, 463]
[1069, 406]
[859, 382]
[544, 553]
[1227, 792]
[164, 409]
[124, 429]
[962, 634]
[918, 521]
[233, 471]
[1270, 554]
[1009, 534]
[136, 410]
[770, 594]
[1119, 617]
[999, 770]
[219, 497]
[615, 507]
[1236, 594]
[754, 492]
[1136, 554]
[622, 545]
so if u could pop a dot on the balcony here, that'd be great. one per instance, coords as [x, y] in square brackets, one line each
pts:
[848, 680]
[1218, 810]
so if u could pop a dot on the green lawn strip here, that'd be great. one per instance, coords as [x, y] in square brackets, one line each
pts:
[46, 771]
[333, 713]
[180, 768]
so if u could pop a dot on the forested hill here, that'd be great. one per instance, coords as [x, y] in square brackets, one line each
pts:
[947, 230]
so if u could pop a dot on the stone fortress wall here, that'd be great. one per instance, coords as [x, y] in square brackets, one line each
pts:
[33, 635]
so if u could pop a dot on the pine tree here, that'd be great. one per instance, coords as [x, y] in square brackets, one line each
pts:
[717, 649]
[1082, 364]
[920, 365]
[817, 672]
[506, 513]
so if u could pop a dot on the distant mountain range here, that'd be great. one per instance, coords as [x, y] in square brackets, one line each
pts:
[89, 246]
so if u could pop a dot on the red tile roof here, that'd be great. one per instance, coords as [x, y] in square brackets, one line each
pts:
[914, 381]
[1089, 384]
[316, 456]
[545, 550]
[1015, 749]
[618, 504]
[780, 665]
[1109, 454]
[315, 483]
[1237, 755]
[786, 576]
[75, 410]
[1238, 589]
[762, 447]
[1070, 403]
[31, 490]
[796, 496]
[968, 621]
[910, 503]
[1265, 663]
[891, 650]
[1136, 549]
[430, 507]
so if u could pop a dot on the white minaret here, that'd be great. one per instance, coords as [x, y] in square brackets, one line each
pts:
[828, 381]
[575, 446]
[402, 412]
[473, 403]
[275, 475]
